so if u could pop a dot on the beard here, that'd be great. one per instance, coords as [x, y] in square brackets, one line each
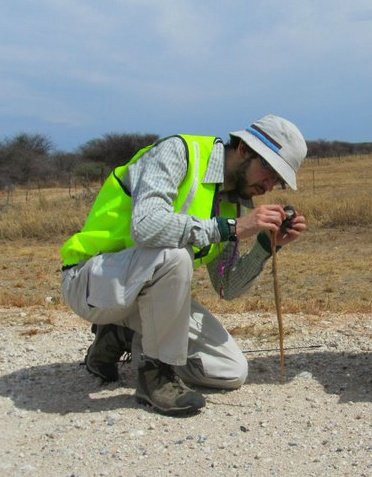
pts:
[240, 180]
[241, 189]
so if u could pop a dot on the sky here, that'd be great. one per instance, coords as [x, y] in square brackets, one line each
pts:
[75, 70]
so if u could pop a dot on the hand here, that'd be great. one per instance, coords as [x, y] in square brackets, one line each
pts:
[298, 226]
[266, 218]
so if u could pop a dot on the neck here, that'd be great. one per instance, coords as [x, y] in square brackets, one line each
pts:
[231, 161]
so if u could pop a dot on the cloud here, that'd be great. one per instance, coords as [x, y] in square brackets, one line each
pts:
[16, 99]
[97, 62]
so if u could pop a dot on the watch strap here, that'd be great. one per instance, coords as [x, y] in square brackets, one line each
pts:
[227, 231]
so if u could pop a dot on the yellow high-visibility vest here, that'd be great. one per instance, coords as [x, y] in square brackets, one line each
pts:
[107, 227]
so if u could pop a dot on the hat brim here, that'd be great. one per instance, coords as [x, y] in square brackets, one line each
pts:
[285, 171]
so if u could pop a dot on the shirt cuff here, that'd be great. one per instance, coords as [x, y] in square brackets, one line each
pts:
[265, 242]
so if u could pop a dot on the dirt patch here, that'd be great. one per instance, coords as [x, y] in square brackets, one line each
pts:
[316, 420]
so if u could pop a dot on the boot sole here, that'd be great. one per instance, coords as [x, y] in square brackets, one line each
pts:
[102, 376]
[175, 411]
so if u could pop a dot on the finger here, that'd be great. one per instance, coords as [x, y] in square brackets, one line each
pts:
[270, 217]
[270, 226]
[272, 220]
[289, 237]
[299, 227]
[292, 235]
[298, 219]
[276, 208]
[293, 232]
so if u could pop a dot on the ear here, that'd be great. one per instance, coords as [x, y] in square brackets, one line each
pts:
[242, 148]
[244, 151]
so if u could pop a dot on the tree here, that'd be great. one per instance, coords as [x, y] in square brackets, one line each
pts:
[115, 149]
[21, 158]
[30, 143]
[322, 148]
[90, 171]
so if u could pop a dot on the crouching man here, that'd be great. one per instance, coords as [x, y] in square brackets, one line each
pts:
[173, 207]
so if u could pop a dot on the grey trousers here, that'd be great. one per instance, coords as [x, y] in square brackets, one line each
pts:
[149, 291]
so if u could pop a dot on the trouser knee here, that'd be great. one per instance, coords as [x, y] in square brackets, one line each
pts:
[240, 370]
[221, 374]
[179, 261]
[236, 375]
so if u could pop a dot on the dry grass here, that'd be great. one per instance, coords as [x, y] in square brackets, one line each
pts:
[332, 193]
[45, 216]
[327, 270]
[33, 331]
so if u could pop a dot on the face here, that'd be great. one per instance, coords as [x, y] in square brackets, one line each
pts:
[250, 175]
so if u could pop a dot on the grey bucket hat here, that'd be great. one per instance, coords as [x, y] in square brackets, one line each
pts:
[279, 142]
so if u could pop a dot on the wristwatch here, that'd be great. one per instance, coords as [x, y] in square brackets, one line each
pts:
[232, 229]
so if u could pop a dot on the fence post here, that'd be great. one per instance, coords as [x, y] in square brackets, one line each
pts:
[313, 181]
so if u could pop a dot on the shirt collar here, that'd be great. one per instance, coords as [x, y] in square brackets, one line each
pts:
[216, 164]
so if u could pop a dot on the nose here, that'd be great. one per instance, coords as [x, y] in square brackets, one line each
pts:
[269, 184]
[271, 187]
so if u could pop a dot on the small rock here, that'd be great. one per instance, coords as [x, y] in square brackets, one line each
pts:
[50, 300]
[28, 468]
[110, 421]
[304, 375]
[137, 433]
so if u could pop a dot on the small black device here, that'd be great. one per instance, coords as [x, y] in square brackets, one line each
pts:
[290, 212]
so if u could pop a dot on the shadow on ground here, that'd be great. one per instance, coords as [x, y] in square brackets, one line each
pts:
[67, 387]
[347, 375]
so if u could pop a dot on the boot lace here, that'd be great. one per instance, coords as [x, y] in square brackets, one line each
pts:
[174, 380]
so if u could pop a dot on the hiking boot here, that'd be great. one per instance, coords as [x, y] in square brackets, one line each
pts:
[110, 343]
[159, 386]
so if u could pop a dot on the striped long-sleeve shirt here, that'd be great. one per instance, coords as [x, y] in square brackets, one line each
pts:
[153, 182]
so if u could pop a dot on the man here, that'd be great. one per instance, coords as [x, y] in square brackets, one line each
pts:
[175, 206]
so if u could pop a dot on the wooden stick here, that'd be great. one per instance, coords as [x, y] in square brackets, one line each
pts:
[278, 301]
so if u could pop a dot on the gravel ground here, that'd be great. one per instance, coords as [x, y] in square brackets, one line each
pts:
[59, 420]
